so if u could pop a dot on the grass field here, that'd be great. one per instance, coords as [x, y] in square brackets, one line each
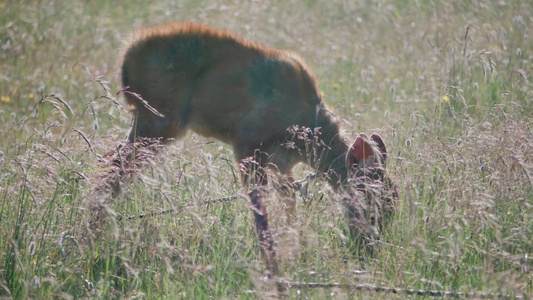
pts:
[446, 83]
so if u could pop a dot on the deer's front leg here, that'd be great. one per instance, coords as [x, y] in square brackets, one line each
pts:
[266, 241]
[254, 176]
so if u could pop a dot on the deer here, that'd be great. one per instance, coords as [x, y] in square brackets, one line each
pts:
[264, 103]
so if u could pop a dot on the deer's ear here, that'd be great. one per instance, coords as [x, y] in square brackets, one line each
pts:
[381, 146]
[360, 151]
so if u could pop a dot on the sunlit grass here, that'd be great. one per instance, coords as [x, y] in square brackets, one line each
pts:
[447, 84]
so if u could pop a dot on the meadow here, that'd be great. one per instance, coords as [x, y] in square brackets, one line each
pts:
[445, 83]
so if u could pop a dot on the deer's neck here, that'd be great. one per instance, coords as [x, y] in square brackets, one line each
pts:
[330, 154]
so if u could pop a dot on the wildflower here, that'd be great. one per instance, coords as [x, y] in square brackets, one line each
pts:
[335, 85]
[36, 282]
[31, 248]
[2, 5]
[5, 99]
[31, 95]
[370, 71]
[445, 99]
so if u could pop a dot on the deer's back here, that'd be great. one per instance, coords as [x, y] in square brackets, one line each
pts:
[220, 85]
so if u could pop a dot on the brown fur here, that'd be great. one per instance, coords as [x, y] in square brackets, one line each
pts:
[223, 86]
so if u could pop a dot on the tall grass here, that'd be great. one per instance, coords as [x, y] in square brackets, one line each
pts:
[447, 84]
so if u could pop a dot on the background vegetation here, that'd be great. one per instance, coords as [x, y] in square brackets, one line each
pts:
[446, 83]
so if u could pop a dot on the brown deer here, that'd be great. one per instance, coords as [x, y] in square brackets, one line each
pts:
[265, 103]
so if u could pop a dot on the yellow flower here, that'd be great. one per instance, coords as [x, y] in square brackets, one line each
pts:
[335, 85]
[5, 99]
[31, 95]
[445, 99]
[2, 5]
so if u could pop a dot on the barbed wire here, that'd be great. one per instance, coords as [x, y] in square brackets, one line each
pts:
[183, 207]
[391, 290]
[296, 185]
